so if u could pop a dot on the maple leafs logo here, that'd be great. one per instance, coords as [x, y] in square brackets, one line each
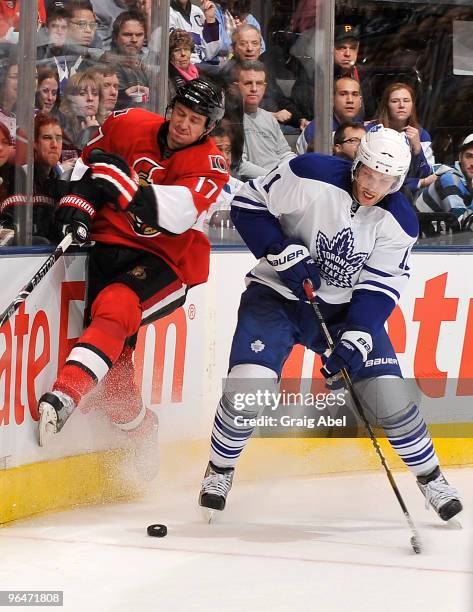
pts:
[336, 259]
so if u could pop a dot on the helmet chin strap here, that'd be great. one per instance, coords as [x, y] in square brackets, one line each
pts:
[355, 202]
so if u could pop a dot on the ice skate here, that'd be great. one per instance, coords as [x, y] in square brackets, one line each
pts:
[439, 494]
[215, 488]
[54, 410]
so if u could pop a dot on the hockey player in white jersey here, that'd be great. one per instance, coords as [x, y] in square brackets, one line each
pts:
[347, 228]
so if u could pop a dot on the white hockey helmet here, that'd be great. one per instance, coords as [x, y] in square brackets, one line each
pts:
[386, 151]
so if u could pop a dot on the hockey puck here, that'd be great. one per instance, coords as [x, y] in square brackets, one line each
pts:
[157, 531]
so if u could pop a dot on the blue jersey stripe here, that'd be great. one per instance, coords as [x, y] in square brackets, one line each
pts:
[382, 286]
[248, 201]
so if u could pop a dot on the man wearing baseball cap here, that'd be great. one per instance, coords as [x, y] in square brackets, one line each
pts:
[345, 55]
[347, 42]
[452, 192]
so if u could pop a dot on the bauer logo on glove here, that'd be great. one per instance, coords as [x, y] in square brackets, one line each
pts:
[349, 354]
[294, 264]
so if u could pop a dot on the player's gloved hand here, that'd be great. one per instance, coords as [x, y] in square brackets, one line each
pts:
[77, 209]
[293, 262]
[74, 214]
[117, 181]
[350, 353]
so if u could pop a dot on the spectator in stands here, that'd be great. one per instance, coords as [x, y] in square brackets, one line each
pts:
[452, 192]
[106, 11]
[246, 45]
[345, 55]
[181, 69]
[222, 139]
[82, 108]
[7, 186]
[46, 183]
[10, 19]
[82, 49]
[56, 27]
[9, 95]
[129, 55]
[347, 102]
[265, 146]
[52, 39]
[232, 14]
[203, 25]
[110, 87]
[47, 92]
[347, 138]
[397, 110]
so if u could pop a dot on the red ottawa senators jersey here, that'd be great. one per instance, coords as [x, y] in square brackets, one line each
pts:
[190, 178]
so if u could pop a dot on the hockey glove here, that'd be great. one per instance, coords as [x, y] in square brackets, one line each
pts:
[350, 353]
[77, 209]
[292, 261]
[117, 181]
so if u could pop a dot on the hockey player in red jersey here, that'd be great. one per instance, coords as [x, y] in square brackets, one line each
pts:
[140, 190]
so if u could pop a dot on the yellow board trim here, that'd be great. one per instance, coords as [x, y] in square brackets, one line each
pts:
[98, 477]
[282, 457]
[63, 483]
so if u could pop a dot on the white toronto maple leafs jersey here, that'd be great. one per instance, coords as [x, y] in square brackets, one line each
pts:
[356, 248]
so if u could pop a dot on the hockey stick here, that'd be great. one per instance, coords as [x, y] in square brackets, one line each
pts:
[415, 539]
[37, 278]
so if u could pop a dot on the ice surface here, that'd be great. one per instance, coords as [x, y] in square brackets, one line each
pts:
[331, 544]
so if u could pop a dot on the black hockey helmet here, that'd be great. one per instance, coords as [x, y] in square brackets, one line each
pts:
[202, 97]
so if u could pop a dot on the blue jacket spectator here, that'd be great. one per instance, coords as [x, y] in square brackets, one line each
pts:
[452, 191]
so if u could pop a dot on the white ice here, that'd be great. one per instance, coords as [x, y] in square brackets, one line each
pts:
[334, 543]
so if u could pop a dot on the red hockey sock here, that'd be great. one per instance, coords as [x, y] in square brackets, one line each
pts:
[121, 398]
[116, 315]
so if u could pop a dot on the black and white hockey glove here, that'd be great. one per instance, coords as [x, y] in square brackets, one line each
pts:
[294, 264]
[117, 181]
[77, 209]
[350, 353]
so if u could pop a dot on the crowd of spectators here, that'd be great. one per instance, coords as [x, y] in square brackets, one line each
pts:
[93, 59]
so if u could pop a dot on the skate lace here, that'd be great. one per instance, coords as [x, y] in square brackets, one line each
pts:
[217, 484]
[438, 492]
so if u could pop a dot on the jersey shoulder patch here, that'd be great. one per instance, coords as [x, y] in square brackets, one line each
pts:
[397, 205]
[218, 163]
[325, 168]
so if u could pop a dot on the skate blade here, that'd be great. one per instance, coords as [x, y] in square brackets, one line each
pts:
[454, 523]
[47, 433]
[208, 514]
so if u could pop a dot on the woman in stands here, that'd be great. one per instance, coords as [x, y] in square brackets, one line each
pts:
[47, 92]
[82, 108]
[181, 70]
[397, 110]
[8, 96]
